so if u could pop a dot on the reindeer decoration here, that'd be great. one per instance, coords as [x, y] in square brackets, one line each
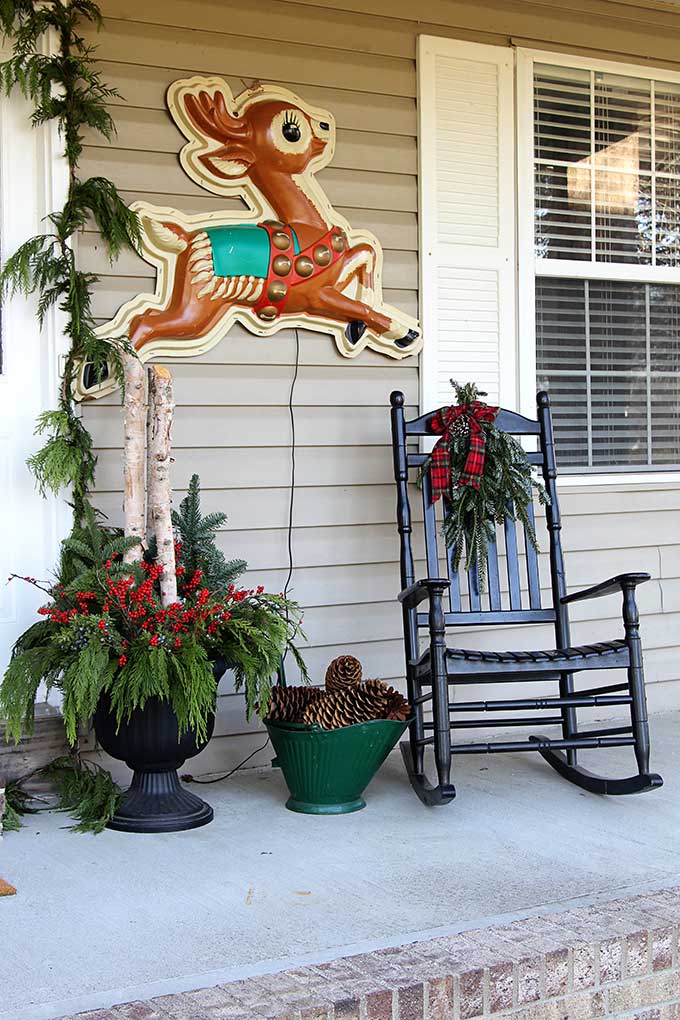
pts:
[290, 259]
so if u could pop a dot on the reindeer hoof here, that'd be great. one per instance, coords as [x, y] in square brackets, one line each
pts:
[408, 340]
[355, 330]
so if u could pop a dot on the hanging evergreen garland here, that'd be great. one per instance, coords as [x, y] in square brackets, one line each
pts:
[484, 475]
[66, 87]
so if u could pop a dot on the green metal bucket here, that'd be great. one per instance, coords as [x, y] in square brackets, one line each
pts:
[328, 770]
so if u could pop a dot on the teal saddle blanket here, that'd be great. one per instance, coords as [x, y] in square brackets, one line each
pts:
[242, 250]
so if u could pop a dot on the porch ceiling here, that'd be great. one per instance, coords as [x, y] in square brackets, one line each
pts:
[100, 920]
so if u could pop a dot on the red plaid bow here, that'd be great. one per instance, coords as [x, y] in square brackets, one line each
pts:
[440, 461]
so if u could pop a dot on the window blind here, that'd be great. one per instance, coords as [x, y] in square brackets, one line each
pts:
[607, 195]
[609, 352]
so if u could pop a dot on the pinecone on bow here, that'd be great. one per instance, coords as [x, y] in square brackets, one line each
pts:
[343, 674]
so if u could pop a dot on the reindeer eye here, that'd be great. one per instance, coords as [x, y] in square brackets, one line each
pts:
[290, 129]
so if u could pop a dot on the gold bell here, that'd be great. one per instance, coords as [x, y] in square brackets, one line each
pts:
[304, 266]
[280, 240]
[282, 265]
[322, 255]
[338, 242]
[277, 290]
[267, 313]
[274, 224]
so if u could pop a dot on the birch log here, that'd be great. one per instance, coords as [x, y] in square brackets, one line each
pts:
[133, 455]
[160, 492]
[149, 484]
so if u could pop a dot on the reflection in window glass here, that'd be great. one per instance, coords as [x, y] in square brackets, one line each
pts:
[607, 164]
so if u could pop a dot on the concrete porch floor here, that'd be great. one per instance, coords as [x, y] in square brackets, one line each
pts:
[108, 919]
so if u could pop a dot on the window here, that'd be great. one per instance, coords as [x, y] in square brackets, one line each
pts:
[607, 241]
[550, 244]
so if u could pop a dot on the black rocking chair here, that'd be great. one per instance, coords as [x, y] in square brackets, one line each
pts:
[437, 668]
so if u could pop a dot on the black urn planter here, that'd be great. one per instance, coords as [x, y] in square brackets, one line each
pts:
[148, 742]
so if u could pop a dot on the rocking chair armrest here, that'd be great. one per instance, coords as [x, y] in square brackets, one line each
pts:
[608, 587]
[416, 593]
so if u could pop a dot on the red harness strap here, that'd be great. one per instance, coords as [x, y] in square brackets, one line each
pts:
[287, 270]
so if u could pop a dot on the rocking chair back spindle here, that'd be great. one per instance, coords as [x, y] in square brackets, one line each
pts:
[453, 597]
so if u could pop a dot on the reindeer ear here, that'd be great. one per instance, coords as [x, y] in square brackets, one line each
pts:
[232, 160]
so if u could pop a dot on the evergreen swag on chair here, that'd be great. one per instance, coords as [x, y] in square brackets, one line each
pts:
[483, 475]
[485, 517]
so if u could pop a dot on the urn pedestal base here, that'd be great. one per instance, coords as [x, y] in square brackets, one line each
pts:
[157, 802]
[149, 742]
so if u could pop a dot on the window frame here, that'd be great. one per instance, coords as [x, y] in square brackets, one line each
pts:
[572, 269]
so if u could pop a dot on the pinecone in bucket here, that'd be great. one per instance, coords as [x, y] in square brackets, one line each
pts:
[343, 673]
[289, 703]
[389, 703]
[370, 700]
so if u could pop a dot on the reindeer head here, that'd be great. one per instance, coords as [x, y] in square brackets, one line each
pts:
[264, 129]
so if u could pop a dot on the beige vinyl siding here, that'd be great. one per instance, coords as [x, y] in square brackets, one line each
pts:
[232, 420]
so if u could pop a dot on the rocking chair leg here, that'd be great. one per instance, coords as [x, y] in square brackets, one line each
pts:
[440, 690]
[431, 796]
[645, 780]
[444, 792]
[417, 731]
[636, 681]
[415, 690]
[569, 722]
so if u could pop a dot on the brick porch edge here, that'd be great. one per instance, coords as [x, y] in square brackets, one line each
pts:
[617, 959]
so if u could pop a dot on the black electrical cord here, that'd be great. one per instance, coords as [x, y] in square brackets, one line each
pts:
[218, 779]
[291, 507]
[291, 504]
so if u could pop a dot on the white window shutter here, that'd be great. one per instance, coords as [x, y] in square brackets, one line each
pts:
[467, 219]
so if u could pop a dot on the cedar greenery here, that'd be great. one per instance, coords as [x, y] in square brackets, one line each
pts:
[104, 631]
[506, 489]
[66, 87]
[84, 660]
[17, 804]
[84, 789]
[45, 654]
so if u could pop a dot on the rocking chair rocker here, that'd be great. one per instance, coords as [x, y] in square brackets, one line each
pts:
[433, 671]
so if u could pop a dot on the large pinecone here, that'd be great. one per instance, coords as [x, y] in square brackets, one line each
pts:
[343, 673]
[289, 703]
[370, 700]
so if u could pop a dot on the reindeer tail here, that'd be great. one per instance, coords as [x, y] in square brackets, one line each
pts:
[167, 236]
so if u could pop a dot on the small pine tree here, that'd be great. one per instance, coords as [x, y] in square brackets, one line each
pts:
[197, 533]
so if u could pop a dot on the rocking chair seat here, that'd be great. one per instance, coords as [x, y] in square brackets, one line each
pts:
[579, 657]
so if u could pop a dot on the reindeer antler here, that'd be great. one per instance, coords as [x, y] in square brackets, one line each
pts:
[210, 115]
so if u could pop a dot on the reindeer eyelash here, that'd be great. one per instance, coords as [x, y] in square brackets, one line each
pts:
[291, 119]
